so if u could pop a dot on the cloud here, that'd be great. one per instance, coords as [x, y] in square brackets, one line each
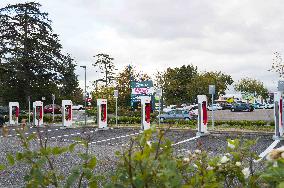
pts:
[236, 37]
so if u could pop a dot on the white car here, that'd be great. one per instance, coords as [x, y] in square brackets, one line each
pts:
[77, 107]
[269, 106]
[215, 107]
[169, 108]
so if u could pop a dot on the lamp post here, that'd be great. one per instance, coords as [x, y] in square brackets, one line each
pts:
[85, 93]
[212, 92]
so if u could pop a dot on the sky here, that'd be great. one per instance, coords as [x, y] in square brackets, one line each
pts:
[237, 37]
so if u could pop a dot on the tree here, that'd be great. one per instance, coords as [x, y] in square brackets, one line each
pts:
[124, 78]
[106, 65]
[182, 84]
[175, 82]
[252, 86]
[277, 65]
[105, 93]
[31, 60]
[200, 84]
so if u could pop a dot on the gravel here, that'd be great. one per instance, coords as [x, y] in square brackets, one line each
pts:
[106, 142]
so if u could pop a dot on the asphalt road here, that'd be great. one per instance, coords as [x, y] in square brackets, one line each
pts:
[257, 114]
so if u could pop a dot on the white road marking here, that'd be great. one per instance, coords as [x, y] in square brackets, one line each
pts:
[187, 140]
[267, 150]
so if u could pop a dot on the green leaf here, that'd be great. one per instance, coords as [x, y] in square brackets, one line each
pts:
[93, 184]
[88, 173]
[92, 163]
[72, 178]
[2, 167]
[19, 156]
[10, 159]
[72, 147]
[84, 156]
[31, 137]
[58, 150]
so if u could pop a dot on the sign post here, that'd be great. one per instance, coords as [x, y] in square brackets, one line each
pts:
[212, 92]
[115, 94]
[53, 99]
[29, 101]
[159, 94]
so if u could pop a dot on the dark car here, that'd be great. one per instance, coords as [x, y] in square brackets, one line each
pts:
[48, 109]
[4, 114]
[240, 107]
[226, 106]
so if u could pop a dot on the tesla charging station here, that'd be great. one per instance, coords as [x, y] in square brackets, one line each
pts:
[145, 112]
[38, 113]
[202, 115]
[14, 111]
[67, 115]
[278, 115]
[102, 113]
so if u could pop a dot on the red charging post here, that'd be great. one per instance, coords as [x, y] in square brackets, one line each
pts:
[145, 112]
[67, 113]
[202, 115]
[14, 111]
[38, 113]
[102, 113]
[278, 116]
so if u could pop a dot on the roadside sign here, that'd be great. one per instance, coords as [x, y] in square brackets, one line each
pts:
[212, 89]
[53, 97]
[281, 85]
[159, 92]
[115, 93]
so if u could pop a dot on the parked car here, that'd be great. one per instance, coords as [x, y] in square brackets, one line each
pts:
[169, 108]
[269, 106]
[226, 106]
[258, 105]
[77, 107]
[215, 107]
[4, 114]
[176, 114]
[239, 107]
[48, 109]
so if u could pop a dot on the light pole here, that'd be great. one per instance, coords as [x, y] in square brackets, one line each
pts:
[212, 92]
[115, 96]
[85, 94]
[159, 94]
[53, 99]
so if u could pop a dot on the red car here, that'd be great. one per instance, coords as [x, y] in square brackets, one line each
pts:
[48, 109]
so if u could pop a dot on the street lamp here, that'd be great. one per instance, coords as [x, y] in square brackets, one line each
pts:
[85, 94]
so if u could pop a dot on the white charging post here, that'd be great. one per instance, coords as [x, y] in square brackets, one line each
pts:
[67, 113]
[278, 111]
[202, 115]
[278, 116]
[145, 112]
[38, 113]
[14, 112]
[102, 113]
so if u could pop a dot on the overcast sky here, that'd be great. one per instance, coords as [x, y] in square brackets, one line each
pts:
[237, 37]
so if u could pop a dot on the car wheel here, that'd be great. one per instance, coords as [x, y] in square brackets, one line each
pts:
[186, 119]
[162, 119]
[232, 109]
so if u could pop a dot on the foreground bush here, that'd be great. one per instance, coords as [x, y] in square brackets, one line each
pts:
[150, 161]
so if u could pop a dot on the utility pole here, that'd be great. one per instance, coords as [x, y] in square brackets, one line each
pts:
[212, 92]
[85, 94]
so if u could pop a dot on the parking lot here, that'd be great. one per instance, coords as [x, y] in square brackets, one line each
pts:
[257, 114]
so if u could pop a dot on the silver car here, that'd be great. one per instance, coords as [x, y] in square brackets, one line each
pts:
[176, 114]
